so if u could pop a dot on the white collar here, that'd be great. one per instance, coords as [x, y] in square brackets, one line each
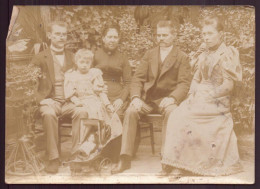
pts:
[166, 49]
[54, 49]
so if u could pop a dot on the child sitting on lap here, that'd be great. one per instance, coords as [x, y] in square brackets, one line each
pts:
[86, 89]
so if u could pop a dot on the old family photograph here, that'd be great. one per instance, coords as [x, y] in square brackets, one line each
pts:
[130, 94]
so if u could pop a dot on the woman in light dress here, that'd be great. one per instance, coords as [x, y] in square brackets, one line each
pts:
[200, 136]
[85, 88]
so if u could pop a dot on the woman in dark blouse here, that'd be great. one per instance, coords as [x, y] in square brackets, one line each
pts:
[115, 67]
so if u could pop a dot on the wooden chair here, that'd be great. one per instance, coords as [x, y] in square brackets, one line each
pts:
[65, 122]
[146, 122]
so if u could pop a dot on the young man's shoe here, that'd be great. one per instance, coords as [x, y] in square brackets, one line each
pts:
[53, 166]
[123, 164]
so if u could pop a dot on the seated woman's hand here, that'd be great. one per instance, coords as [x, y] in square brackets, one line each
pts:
[117, 104]
[110, 108]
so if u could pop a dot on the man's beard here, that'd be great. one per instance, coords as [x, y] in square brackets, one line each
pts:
[163, 44]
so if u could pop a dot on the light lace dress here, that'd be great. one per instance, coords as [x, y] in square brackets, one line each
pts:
[200, 136]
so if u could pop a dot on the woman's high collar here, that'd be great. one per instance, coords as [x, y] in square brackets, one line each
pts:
[108, 51]
[213, 49]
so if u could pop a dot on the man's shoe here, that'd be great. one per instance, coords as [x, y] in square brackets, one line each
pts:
[166, 170]
[122, 165]
[177, 172]
[53, 166]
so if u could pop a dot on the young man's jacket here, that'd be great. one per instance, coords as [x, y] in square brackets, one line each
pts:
[44, 60]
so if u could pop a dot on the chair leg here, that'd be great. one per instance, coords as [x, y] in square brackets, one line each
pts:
[99, 133]
[152, 137]
[59, 135]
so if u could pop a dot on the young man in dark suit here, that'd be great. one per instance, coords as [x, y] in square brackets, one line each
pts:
[54, 62]
[159, 84]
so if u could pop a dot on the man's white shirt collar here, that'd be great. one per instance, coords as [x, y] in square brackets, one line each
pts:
[164, 52]
[60, 57]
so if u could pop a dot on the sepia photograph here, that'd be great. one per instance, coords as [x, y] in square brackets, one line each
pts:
[130, 95]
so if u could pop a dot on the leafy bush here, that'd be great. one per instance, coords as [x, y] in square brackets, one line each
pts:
[189, 38]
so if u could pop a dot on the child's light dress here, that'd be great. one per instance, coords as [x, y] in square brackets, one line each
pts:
[91, 91]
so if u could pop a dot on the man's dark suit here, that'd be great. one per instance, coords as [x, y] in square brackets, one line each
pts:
[152, 82]
[44, 61]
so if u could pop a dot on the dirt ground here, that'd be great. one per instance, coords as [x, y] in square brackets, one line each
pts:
[144, 169]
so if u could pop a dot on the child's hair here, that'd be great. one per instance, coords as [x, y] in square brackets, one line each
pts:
[84, 52]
